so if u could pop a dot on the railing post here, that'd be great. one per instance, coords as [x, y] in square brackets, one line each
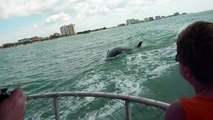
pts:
[128, 110]
[56, 108]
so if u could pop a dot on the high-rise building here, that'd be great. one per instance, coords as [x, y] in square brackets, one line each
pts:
[63, 32]
[132, 21]
[67, 30]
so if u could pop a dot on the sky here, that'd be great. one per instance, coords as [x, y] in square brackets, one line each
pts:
[28, 18]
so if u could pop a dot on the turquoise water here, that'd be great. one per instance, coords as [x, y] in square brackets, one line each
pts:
[78, 63]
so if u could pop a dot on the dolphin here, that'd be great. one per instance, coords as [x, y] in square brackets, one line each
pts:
[119, 50]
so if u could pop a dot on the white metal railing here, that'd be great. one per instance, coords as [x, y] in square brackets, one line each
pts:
[128, 99]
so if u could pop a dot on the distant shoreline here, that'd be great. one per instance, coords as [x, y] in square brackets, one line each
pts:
[34, 39]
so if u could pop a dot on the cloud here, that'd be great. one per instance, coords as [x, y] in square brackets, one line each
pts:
[17, 8]
[61, 17]
[35, 26]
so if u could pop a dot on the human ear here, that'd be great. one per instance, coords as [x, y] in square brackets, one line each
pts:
[186, 72]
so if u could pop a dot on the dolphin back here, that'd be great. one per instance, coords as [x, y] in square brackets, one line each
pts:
[117, 51]
[139, 44]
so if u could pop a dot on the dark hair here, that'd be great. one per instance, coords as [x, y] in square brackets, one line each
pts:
[195, 50]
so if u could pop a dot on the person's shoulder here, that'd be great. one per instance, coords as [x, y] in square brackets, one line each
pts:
[175, 111]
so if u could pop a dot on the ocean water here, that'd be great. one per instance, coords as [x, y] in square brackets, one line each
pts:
[78, 63]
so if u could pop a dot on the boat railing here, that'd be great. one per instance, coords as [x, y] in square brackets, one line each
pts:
[126, 99]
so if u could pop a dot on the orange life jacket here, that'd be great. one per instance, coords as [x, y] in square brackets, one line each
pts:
[198, 108]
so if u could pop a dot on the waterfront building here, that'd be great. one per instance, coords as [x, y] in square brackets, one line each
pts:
[132, 21]
[55, 35]
[151, 18]
[141, 21]
[67, 30]
[35, 39]
[120, 25]
[157, 17]
[129, 21]
[63, 32]
[146, 19]
[136, 21]
[163, 17]
[25, 40]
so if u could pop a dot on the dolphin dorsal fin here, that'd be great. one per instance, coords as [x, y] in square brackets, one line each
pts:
[139, 44]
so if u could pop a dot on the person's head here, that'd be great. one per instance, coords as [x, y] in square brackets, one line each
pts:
[195, 50]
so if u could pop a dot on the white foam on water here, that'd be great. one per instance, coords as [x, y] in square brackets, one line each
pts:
[108, 110]
[126, 84]
[153, 63]
[158, 71]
